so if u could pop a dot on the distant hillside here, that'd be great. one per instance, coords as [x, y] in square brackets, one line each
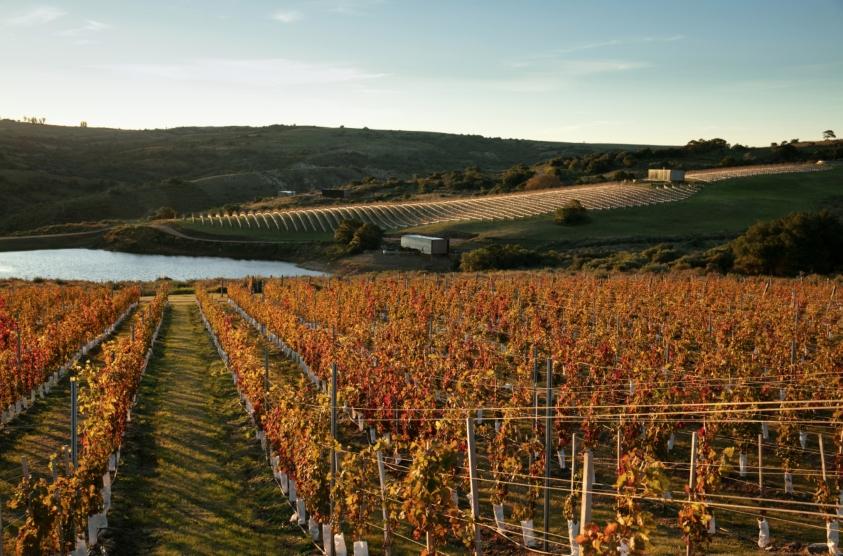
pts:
[611, 164]
[53, 174]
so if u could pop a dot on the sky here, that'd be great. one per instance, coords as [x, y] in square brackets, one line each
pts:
[611, 71]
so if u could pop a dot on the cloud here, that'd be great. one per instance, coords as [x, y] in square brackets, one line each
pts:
[91, 26]
[36, 16]
[270, 72]
[556, 74]
[287, 16]
[351, 7]
[620, 42]
[560, 53]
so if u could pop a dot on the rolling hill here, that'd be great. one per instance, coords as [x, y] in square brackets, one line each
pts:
[55, 174]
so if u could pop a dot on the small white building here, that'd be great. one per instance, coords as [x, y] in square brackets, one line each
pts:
[425, 244]
[665, 174]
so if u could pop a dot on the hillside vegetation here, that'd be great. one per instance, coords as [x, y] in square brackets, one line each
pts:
[611, 164]
[53, 174]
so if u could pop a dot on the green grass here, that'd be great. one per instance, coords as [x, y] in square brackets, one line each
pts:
[192, 481]
[721, 209]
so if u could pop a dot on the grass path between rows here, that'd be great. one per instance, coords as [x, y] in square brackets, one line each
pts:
[191, 480]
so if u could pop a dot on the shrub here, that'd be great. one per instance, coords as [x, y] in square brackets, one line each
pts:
[799, 242]
[355, 236]
[515, 176]
[573, 213]
[542, 181]
[500, 257]
[367, 236]
[345, 231]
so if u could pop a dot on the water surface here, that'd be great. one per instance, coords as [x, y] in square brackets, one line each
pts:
[101, 266]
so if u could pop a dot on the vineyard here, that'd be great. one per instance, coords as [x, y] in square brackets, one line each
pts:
[44, 330]
[65, 512]
[712, 401]
[506, 413]
[393, 216]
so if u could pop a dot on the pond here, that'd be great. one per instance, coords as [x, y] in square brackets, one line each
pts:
[103, 266]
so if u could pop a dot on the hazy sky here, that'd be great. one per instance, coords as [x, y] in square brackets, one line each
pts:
[589, 70]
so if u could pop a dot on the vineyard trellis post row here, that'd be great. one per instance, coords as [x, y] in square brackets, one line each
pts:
[336, 526]
[266, 394]
[548, 436]
[573, 460]
[74, 422]
[387, 540]
[472, 477]
[536, 383]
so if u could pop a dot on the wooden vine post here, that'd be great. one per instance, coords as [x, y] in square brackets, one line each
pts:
[74, 422]
[587, 485]
[387, 538]
[472, 476]
[822, 456]
[536, 383]
[692, 484]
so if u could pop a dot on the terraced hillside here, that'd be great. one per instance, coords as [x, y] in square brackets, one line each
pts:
[392, 216]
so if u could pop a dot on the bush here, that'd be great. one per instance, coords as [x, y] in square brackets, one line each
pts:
[572, 214]
[800, 242]
[345, 231]
[367, 236]
[515, 176]
[542, 181]
[500, 257]
[355, 236]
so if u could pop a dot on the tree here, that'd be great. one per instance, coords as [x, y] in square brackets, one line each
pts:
[83, 123]
[516, 176]
[572, 213]
[356, 237]
[345, 231]
[785, 152]
[799, 242]
[828, 135]
[367, 236]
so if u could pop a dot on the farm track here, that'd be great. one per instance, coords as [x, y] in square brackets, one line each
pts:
[394, 216]
[37, 435]
[191, 480]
